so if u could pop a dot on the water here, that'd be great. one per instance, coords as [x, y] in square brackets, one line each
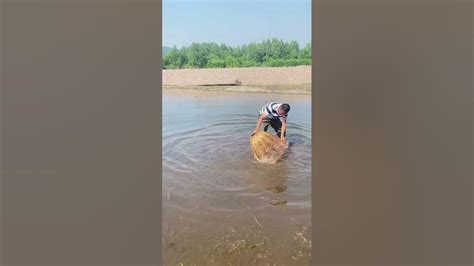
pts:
[216, 197]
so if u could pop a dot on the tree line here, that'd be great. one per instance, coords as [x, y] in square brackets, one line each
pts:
[268, 53]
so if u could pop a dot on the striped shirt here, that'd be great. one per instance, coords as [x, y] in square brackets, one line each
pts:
[271, 109]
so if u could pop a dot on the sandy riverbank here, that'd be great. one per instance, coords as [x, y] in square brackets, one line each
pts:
[294, 80]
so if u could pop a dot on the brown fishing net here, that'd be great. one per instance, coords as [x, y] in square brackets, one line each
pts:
[266, 147]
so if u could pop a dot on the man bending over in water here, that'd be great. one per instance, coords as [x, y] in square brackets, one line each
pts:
[274, 115]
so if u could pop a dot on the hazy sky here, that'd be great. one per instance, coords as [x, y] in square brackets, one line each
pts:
[235, 22]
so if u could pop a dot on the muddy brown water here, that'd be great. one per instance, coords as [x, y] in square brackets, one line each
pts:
[220, 206]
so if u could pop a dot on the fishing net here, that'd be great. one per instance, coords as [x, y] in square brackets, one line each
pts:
[266, 147]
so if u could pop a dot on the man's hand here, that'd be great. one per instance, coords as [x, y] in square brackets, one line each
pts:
[284, 141]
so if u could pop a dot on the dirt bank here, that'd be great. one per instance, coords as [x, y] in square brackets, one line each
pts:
[243, 76]
[294, 80]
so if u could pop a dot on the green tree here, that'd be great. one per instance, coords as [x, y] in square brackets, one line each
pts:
[270, 52]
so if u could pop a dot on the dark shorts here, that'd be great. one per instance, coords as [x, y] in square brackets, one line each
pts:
[275, 123]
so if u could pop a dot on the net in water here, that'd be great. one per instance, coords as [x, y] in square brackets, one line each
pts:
[266, 147]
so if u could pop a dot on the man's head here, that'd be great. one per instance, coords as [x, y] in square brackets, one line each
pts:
[283, 109]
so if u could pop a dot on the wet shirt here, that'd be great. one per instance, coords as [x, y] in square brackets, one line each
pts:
[271, 109]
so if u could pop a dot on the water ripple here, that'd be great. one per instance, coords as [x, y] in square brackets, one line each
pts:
[218, 154]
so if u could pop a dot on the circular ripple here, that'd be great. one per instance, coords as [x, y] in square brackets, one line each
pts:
[217, 155]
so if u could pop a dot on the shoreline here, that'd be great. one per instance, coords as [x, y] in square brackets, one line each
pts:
[237, 95]
[299, 89]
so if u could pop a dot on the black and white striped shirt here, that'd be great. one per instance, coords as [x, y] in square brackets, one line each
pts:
[271, 109]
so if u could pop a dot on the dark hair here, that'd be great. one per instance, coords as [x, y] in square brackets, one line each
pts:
[285, 107]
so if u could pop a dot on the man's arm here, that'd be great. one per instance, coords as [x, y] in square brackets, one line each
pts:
[283, 129]
[259, 123]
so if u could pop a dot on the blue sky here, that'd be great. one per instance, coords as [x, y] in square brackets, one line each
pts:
[235, 22]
